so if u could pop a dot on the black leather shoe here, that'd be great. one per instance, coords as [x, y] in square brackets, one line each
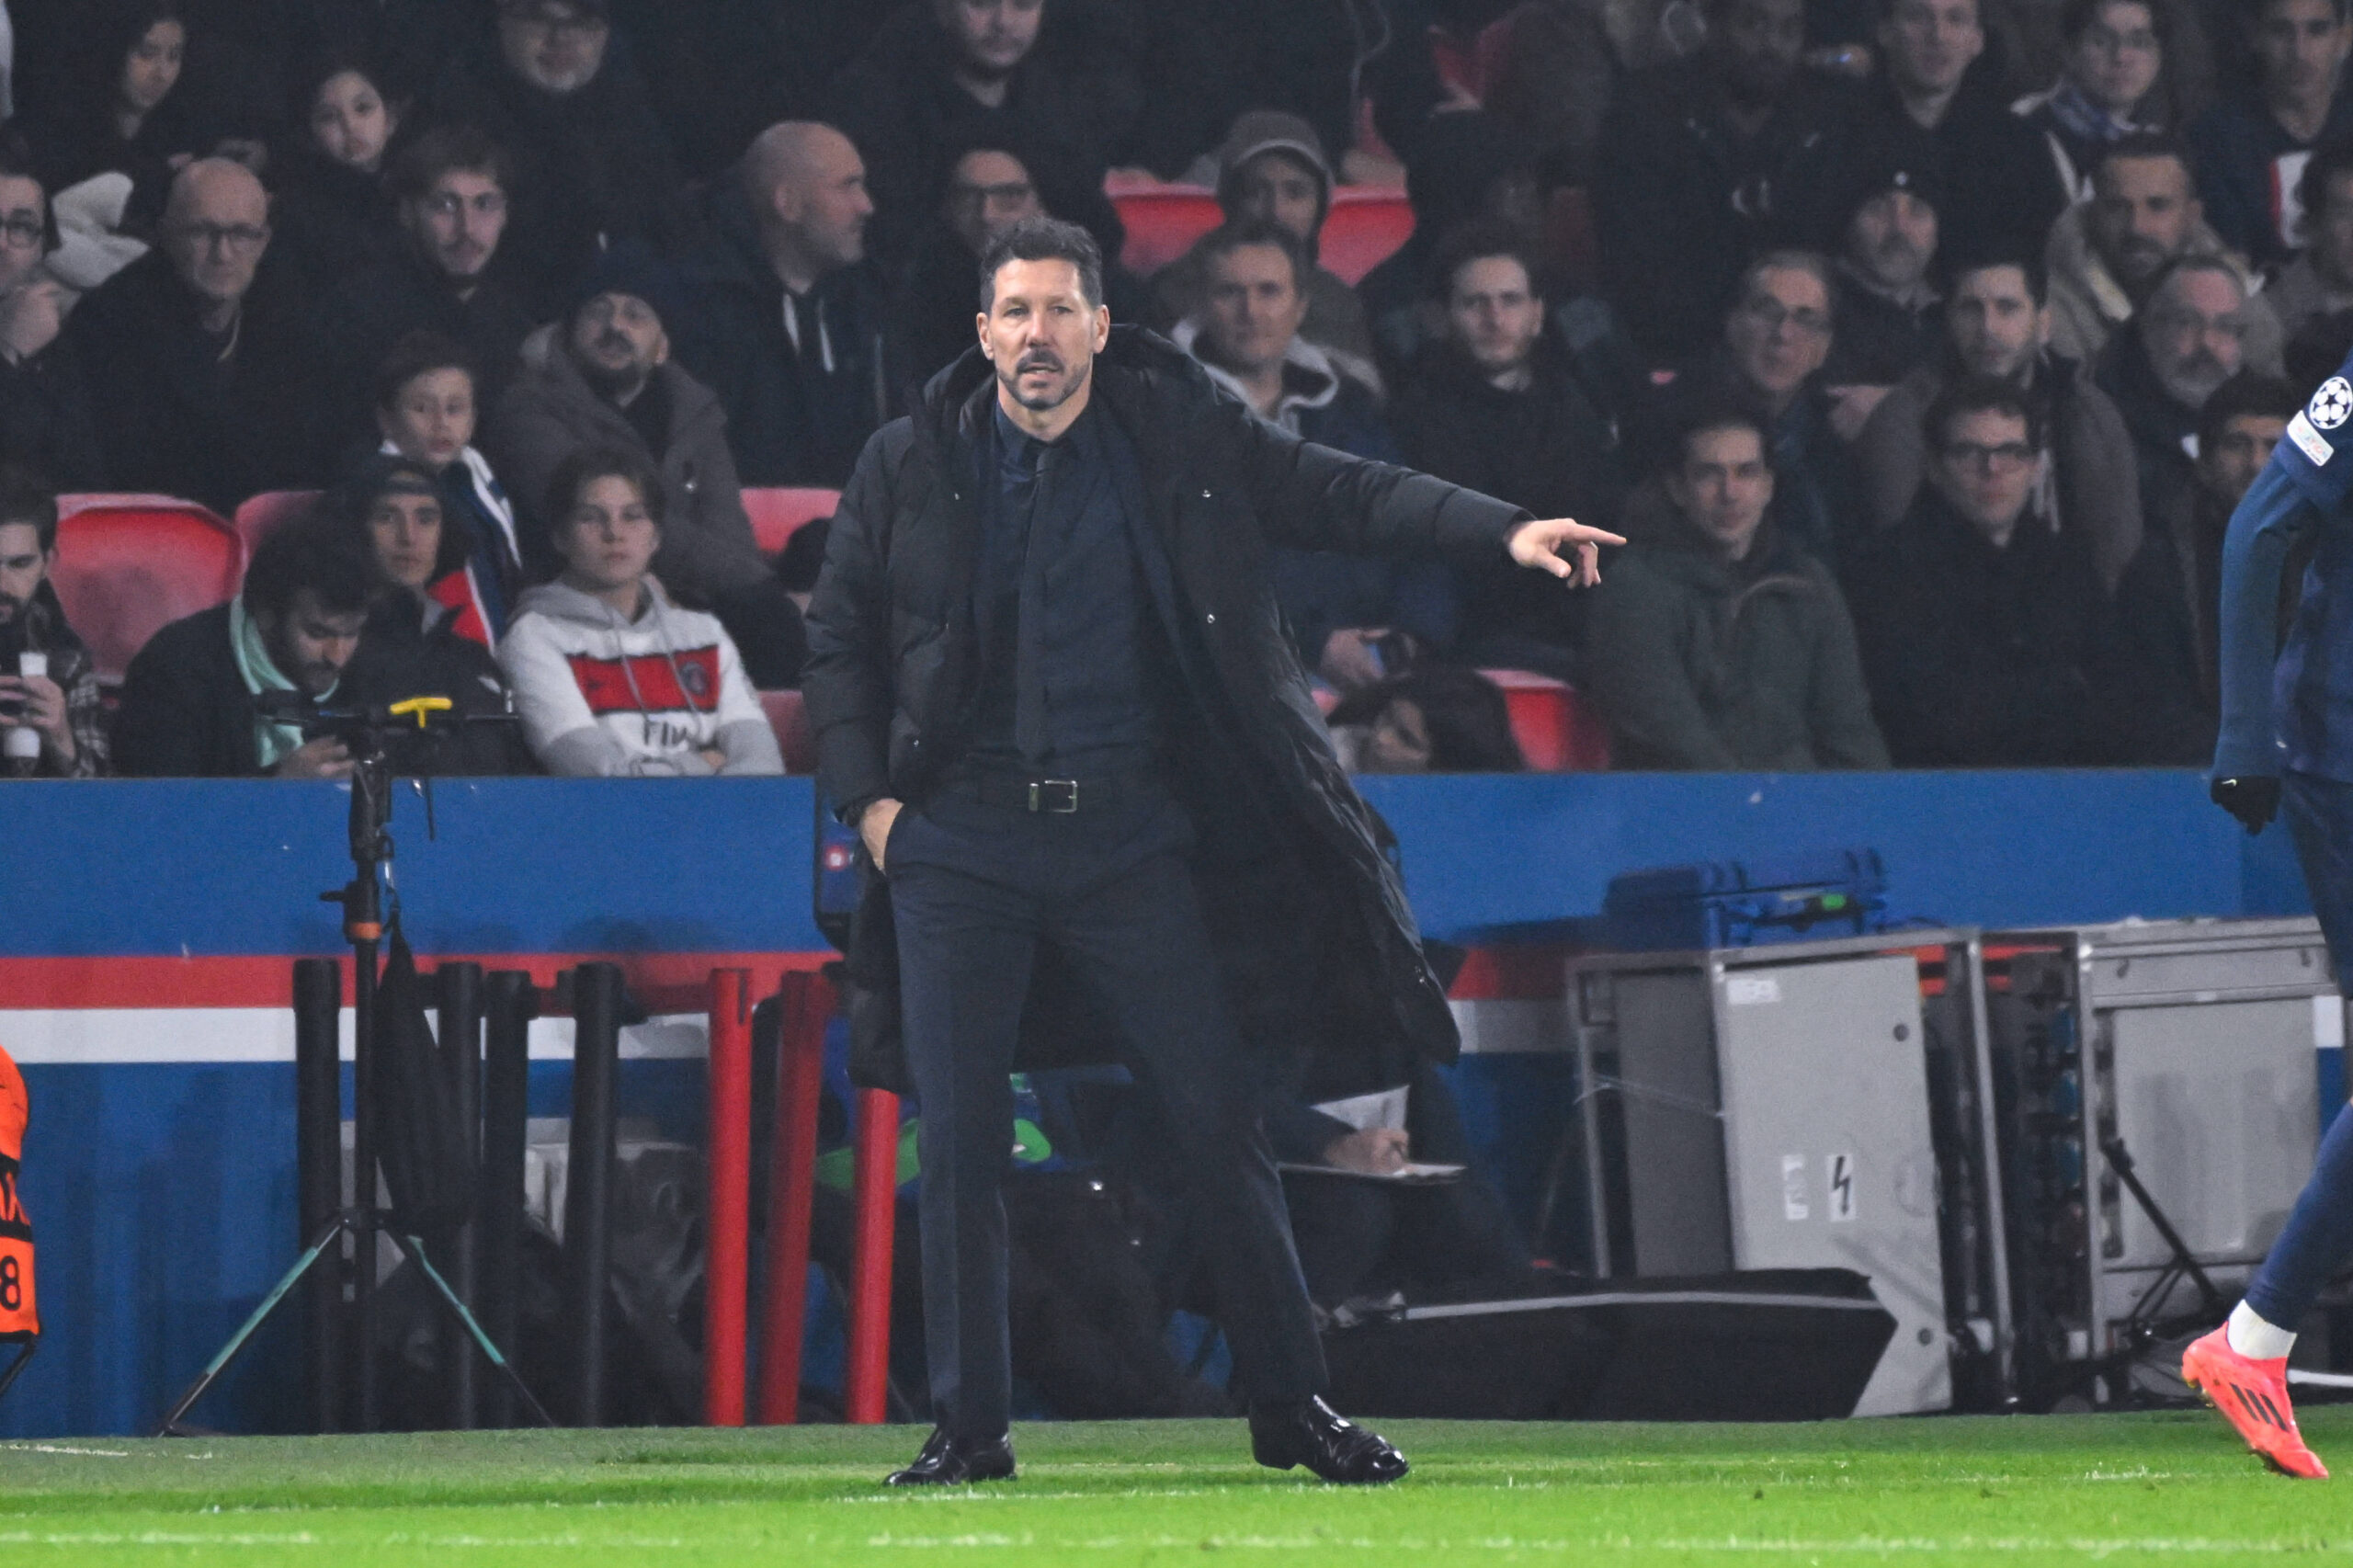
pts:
[951, 1461]
[1312, 1433]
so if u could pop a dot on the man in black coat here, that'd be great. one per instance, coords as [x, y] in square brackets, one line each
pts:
[554, 88]
[44, 409]
[1050, 684]
[453, 275]
[946, 74]
[1696, 176]
[192, 701]
[202, 373]
[790, 325]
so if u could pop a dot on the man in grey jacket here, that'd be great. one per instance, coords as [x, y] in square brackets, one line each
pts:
[1998, 323]
[605, 378]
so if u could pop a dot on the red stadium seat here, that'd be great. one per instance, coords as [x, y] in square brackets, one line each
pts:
[260, 513]
[129, 566]
[778, 514]
[1557, 726]
[1162, 220]
[789, 719]
[1365, 229]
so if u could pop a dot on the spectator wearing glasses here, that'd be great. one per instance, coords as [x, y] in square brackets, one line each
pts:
[612, 680]
[2105, 254]
[333, 213]
[1716, 644]
[1998, 323]
[1981, 625]
[202, 371]
[591, 161]
[62, 704]
[2115, 56]
[45, 408]
[451, 186]
[942, 73]
[2188, 340]
[1777, 336]
[989, 189]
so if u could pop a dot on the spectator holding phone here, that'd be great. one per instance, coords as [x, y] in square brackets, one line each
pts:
[50, 721]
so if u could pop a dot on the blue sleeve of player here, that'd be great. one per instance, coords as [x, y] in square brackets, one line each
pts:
[2276, 509]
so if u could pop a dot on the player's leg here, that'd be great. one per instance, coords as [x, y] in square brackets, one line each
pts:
[2242, 1367]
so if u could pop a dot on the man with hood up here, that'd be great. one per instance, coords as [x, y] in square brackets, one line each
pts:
[1050, 686]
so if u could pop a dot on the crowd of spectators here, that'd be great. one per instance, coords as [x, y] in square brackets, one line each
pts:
[1921, 348]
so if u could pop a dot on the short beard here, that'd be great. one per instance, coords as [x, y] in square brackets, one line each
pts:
[1010, 381]
[2193, 388]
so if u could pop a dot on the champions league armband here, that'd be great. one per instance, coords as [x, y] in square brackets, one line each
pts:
[2316, 455]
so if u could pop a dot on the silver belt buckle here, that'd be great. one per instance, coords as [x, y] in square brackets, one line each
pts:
[1059, 796]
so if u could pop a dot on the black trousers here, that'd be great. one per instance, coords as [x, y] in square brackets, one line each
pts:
[975, 890]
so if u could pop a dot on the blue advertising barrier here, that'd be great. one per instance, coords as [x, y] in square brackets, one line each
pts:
[160, 1180]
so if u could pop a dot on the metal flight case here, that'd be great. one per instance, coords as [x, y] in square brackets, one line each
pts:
[1806, 1105]
[2159, 1098]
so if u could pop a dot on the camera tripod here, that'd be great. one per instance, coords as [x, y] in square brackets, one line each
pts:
[366, 733]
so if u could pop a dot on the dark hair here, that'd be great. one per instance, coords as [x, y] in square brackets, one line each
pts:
[310, 551]
[589, 464]
[26, 497]
[1729, 415]
[414, 354]
[2256, 8]
[2319, 347]
[1247, 233]
[1981, 394]
[2248, 394]
[2330, 161]
[2141, 144]
[1464, 714]
[444, 149]
[351, 504]
[1044, 239]
[1811, 262]
[325, 66]
[2030, 265]
[2079, 15]
[17, 163]
[1482, 239]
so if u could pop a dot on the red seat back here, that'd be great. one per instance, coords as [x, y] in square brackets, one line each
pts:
[1162, 221]
[778, 514]
[789, 719]
[1558, 728]
[260, 513]
[1366, 225]
[129, 566]
[1364, 229]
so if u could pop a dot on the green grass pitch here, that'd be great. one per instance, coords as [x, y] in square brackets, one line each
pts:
[2171, 1487]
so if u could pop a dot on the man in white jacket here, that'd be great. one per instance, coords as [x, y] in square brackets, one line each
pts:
[611, 678]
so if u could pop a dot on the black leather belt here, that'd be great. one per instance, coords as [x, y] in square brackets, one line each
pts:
[1056, 797]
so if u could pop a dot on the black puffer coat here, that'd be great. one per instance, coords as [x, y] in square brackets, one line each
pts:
[1286, 845]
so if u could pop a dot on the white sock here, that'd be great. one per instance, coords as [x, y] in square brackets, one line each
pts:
[2255, 1339]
